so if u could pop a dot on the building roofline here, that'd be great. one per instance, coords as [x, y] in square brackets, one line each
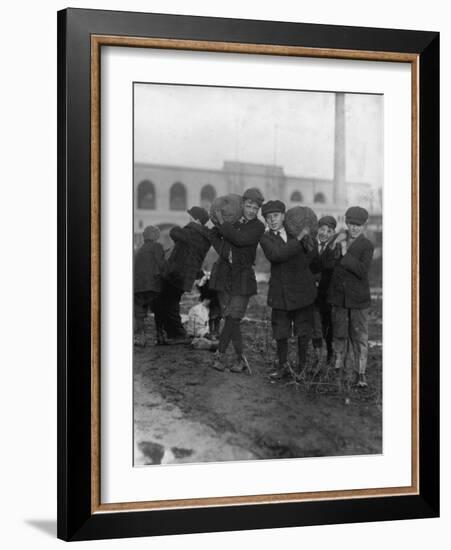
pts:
[178, 167]
[222, 171]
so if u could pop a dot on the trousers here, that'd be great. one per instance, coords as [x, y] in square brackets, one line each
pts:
[167, 308]
[142, 302]
[350, 335]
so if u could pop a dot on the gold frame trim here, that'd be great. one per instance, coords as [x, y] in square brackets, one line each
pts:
[97, 41]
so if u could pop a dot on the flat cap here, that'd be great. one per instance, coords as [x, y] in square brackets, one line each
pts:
[329, 221]
[254, 194]
[272, 206]
[151, 233]
[356, 215]
[199, 214]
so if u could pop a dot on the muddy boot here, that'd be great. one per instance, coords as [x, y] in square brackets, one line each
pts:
[317, 349]
[140, 340]
[280, 373]
[213, 325]
[361, 381]
[339, 360]
[218, 362]
[241, 365]
[362, 362]
[317, 359]
[338, 370]
[338, 378]
[161, 338]
[317, 369]
[330, 355]
[302, 355]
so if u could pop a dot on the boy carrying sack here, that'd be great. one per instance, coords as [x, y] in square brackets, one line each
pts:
[292, 289]
[322, 267]
[349, 294]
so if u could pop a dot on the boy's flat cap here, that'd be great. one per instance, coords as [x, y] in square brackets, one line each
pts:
[357, 215]
[151, 233]
[254, 194]
[273, 206]
[199, 213]
[329, 221]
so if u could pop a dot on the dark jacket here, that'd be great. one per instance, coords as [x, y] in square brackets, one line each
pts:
[191, 246]
[349, 286]
[292, 283]
[149, 265]
[236, 242]
[322, 267]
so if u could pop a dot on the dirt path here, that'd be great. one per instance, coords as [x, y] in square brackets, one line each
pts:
[187, 412]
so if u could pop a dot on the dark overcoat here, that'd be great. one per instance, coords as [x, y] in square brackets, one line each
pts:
[236, 245]
[148, 267]
[323, 266]
[192, 243]
[292, 283]
[349, 286]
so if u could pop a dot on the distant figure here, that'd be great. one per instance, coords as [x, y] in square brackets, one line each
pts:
[192, 243]
[148, 267]
[349, 294]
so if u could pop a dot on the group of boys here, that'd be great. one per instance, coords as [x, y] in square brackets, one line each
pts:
[318, 288]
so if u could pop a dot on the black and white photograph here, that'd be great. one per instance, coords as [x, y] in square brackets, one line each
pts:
[257, 245]
[225, 296]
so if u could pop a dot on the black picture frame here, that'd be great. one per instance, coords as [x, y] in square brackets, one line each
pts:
[76, 518]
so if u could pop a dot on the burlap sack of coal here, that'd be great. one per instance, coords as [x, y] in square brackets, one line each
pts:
[231, 207]
[298, 217]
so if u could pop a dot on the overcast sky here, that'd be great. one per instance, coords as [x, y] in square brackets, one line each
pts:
[204, 126]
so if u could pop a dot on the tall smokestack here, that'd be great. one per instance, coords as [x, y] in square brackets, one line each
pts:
[340, 153]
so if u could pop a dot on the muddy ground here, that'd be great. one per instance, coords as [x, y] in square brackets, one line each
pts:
[187, 412]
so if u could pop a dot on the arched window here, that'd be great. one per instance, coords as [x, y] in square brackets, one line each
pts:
[297, 197]
[177, 197]
[319, 197]
[207, 195]
[146, 195]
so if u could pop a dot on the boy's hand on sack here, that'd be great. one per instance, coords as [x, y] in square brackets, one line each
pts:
[308, 243]
[303, 233]
[219, 217]
[342, 236]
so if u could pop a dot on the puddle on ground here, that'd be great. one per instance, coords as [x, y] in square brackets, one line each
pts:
[179, 439]
[152, 452]
[181, 453]
[155, 453]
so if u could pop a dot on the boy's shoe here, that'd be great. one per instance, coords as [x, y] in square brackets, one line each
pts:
[280, 373]
[241, 366]
[361, 382]
[329, 356]
[139, 340]
[218, 362]
[161, 339]
[337, 379]
[339, 360]
[317, 355]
